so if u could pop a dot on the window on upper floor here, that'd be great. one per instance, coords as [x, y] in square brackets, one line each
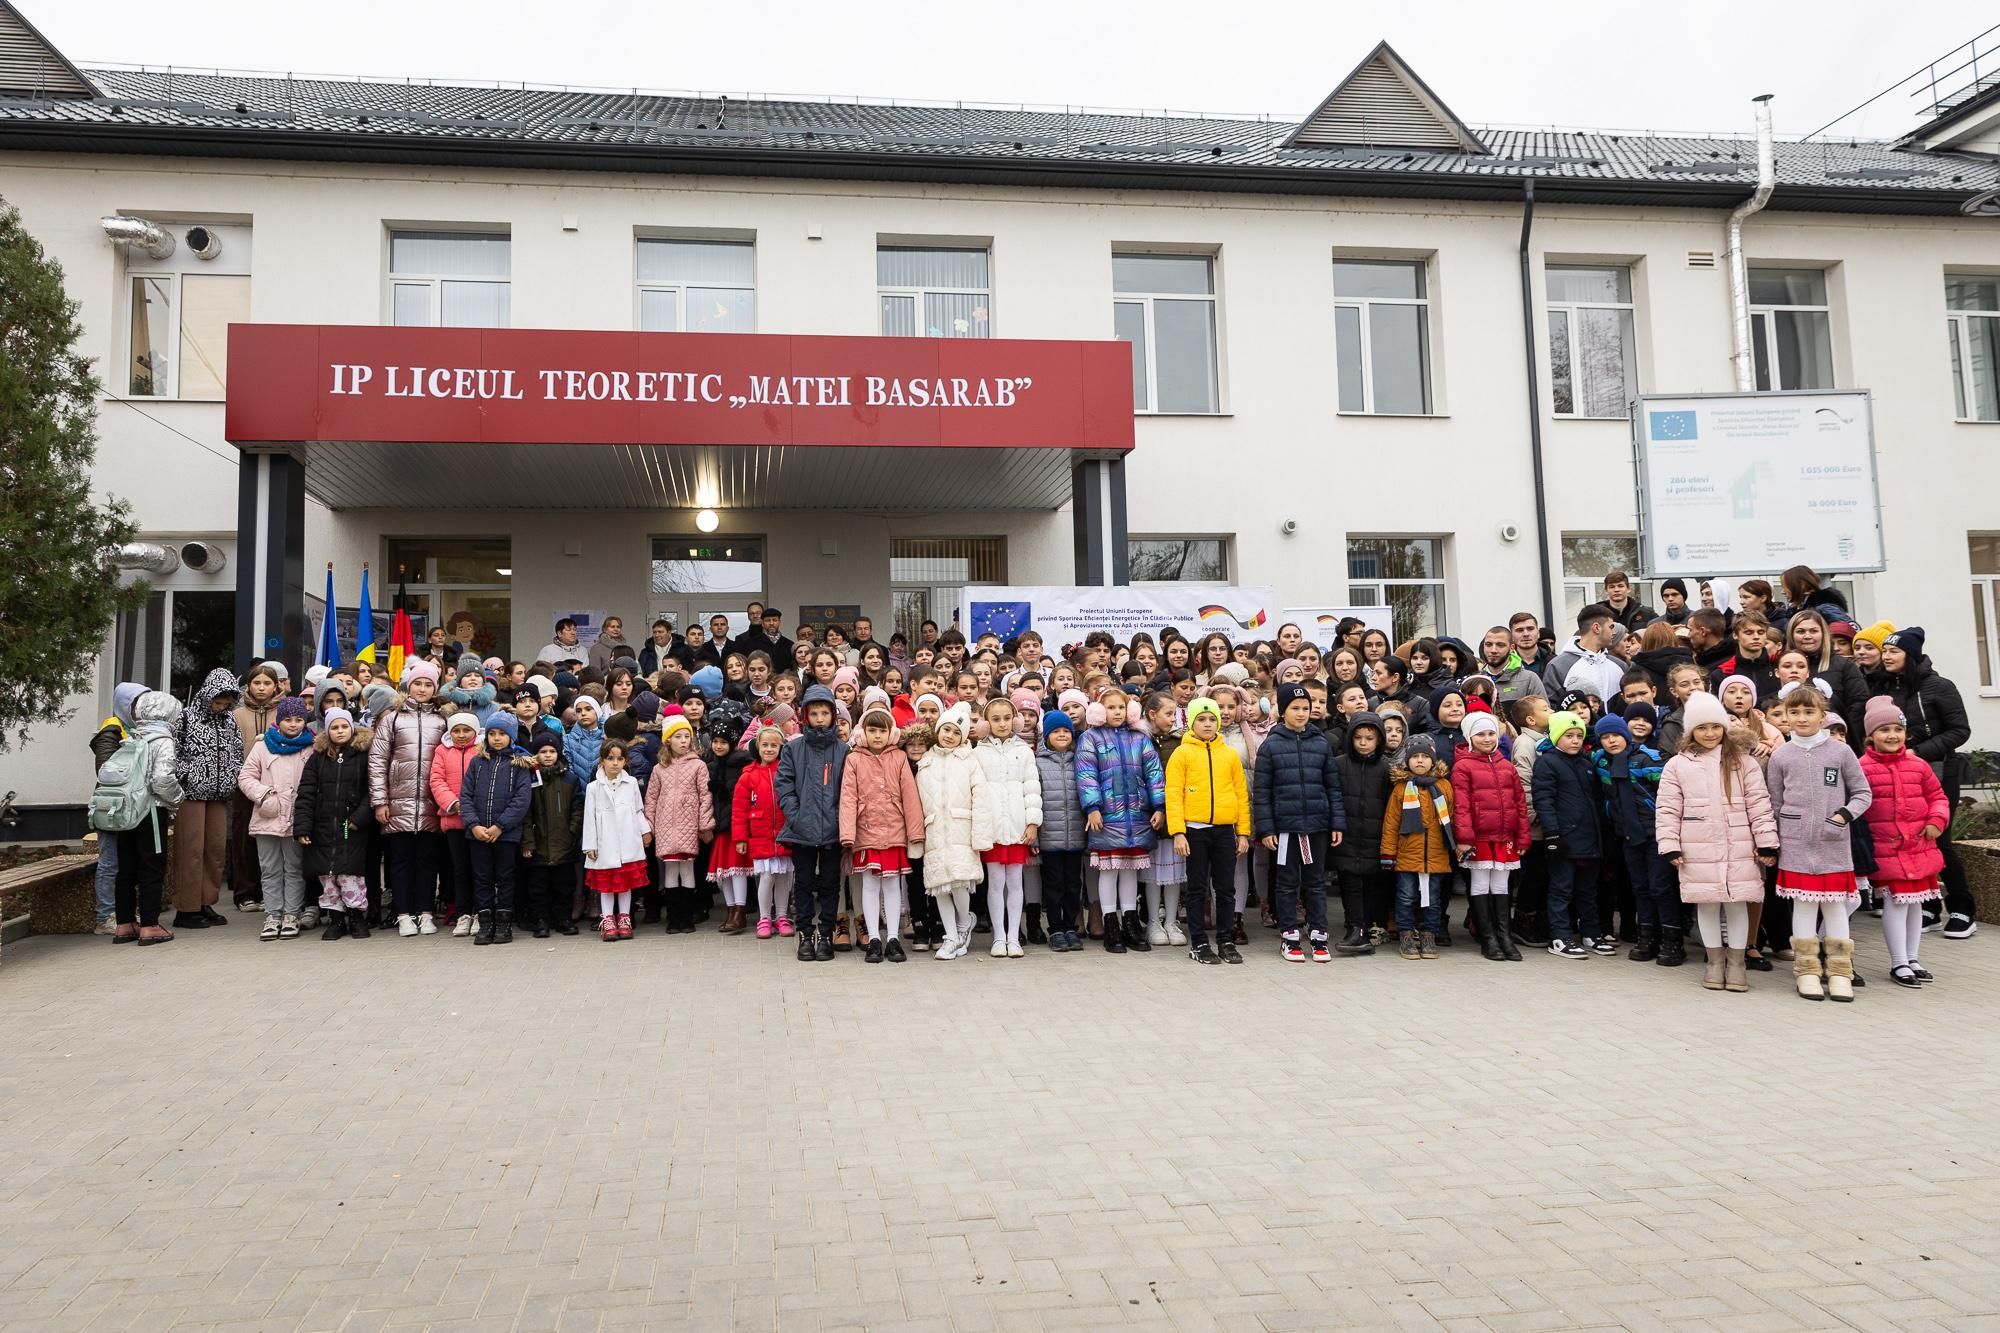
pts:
[1984, 548]
[455, 279]
[1791, 328]
[934, 292]
[697, 286]
[1593, 366]
[1164, 306]
[1382, 336]
[177, 313]
[1405, 574]
[1973, 301]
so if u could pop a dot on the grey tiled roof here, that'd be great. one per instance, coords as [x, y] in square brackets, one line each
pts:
[232, 115]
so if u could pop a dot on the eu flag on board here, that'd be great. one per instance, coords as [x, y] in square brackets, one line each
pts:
[1004, 619]
[1672, 425]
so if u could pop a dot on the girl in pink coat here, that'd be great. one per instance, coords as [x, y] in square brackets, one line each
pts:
[270, 778]
[449, 761]
[1910, 813]
[681, 815]
[1714, 825]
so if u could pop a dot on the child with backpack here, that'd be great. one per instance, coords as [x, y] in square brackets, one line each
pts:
[270, 779]
[136, 795]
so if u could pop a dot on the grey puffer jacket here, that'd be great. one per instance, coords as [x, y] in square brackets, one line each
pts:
[1063, 829]
[399, 767]
[153, 716]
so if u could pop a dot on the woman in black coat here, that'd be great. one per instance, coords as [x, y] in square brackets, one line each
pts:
[1366, 894]
[1935, 715]
[332, 818]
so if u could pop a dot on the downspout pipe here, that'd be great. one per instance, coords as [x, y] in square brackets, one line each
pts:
[1529, 351]
[1741, 358]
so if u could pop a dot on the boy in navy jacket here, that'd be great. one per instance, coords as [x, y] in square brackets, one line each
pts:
[1628, 778]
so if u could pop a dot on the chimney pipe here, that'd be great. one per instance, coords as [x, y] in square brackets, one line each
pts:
[1741, 356]
[154, 239]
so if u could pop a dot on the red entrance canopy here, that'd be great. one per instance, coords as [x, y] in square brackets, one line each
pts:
[369, 383]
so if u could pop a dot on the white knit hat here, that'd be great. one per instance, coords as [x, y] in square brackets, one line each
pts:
[1703, 708]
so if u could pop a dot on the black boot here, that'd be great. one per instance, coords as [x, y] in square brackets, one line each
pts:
[336, 926]
[805, 944]
[1647, 950]
[542, 927]
[1354, 943]
[1503, 927]
[1484, 919]
[1114, 937]
[357, 923]
[485, 935]
[1673, 947]
[1032, 918]
[822, 947]
[503, 928]
[1135, 934]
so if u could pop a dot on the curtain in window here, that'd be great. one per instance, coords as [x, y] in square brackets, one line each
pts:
[900, 266]
[714, 263]
[450, 254]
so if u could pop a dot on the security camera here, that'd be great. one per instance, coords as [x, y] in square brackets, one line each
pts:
[1510, 532]
[202, 557]
[1288, 527]
[203, 243]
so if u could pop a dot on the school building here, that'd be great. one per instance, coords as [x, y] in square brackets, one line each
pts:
[552, 350]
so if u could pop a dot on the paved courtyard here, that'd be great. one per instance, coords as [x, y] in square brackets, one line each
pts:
[702, 1133]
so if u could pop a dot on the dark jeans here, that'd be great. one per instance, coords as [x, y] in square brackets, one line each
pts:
[1367, 898]
[413, 870]
[142, 874]
[1957, 893]
[1300, 873]
[1572, 887]
[1211, 867]
[548, 890]
[816, 891]
[1656, 889]
[492, 880]
[1411, 912]
[458, 865]
[1062, 887]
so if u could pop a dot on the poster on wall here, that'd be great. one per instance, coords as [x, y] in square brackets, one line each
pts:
[589, 624]
[1320, 622]
[1751, 483]
[1065, 614]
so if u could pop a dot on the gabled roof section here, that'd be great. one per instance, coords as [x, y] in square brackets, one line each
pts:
[1383, 104]
[28, 64]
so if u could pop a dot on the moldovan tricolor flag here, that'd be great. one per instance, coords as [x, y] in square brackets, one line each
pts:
[402, 641]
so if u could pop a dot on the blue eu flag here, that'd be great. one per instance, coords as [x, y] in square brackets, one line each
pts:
[1005, 619]
[1673, 425]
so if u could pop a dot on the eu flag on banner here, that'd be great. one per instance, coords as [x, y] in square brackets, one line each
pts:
[1672, 425]
[1006, 619]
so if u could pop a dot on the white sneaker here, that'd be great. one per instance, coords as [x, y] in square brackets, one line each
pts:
[406, 925]
[1014, 949]
[270, 930]
[462, 927]
[309, 919]
[999, 948]
[1156, 934]
[948, 950]
[107, 926]
[1175, 935]
[426, 925]
[288, 927]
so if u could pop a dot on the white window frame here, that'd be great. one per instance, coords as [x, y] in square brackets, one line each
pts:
[1145, 300]
[1228, 556]
[1986, 604]
[1567, 310]
[1960, 325]
[1361, 306]
[1644, 592]
[233, 262]
[1764, 322]
[916, 295]
[171, 390]
[680, 289]
[436, 281]
[1380, 586]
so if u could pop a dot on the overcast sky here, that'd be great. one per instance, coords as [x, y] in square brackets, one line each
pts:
[1688, 66]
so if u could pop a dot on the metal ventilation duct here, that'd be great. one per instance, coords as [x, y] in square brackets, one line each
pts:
[154, 239]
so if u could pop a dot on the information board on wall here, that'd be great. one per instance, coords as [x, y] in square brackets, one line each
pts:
[1065, 614]
[1750, 483]
[1319, 622]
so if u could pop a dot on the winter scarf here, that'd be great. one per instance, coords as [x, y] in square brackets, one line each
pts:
[278, 743]
[1413, 804]
[208, 748]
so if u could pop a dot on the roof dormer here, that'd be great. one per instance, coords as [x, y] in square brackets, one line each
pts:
[30, 67]
[1383, 104]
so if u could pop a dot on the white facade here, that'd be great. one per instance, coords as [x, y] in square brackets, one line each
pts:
[1278, 449]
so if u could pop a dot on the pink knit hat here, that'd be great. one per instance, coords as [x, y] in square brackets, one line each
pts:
[1880, 712]
[846, 676]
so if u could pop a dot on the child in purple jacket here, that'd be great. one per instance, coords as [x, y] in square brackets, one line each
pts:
[1817, 791]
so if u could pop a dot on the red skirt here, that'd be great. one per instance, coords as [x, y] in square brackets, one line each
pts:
[885, 861]
[1833, 886]
[724, 859]
[1006, 854]
[618, 879]
[1910, 890]
[1494, 852]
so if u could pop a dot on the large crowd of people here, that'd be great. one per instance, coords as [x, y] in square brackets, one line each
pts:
[1753, 775]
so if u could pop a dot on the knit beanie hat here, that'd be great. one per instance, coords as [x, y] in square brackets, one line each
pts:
[293, 706]
[470, 662]
[1475, 723]
[1561, 724]
[567, 680]
[873, 697]
[1640, 711]
[1068, 697]
[646, 707]
[1233, 672]
[1056, 720]
[846, 676]
[583, 701]
[1674, 585]
[504, 722]
[1909, 639]
[494, 664]
[1702, 709]
[333, 715]
[1207, 707]
[1877, 633]
[1441, 693]
[462, 720]
[316, 675]
[379, 697]
[1025, 701]
[958, 715]
[1279, 670]
[1612, 725]
[543, 687]
[546, 740]
[420, 670]
[708, 680]
[1727, 681]
[781, 715]
[1286, 693]
[1880, 712]
[1572, 701]
[277, 669]
[1475, 704]
[1417, 744]
[678, 722]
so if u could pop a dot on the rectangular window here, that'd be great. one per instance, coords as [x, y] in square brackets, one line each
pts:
[1165, 307]
[1381, 336]
[703, 565]
[179, 340]
[457, 279]
[1588, 557]
[1178, 559]
[1791, 328]
[1974, 326]
[1403, 573]
[1593, 368]
[697, 286]
[933, 293]
[1984, 548]
[927, 575]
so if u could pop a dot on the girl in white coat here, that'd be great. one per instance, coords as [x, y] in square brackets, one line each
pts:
[615, 838]
[958, 826]
[1014, 795]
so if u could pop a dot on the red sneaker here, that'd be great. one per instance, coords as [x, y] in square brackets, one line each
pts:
[610, 926]
[624, 926]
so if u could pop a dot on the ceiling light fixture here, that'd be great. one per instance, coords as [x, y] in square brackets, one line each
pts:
[707, 520]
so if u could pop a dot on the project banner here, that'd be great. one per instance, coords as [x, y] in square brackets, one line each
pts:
[1319, 622]
[1064, 615]
[1750, 483]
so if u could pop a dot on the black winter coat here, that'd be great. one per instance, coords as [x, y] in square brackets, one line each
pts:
[332, 808]
[723, 774]
[1296, 786]
[551, 833]
[1364, 789]
[1935, 714]
[1566, 800]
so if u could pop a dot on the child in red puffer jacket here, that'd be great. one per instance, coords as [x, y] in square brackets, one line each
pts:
[756, 821]
[1492, 829]
[1908, 816]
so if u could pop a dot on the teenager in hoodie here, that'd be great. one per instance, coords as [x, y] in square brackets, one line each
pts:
[208, 752]
[807, 782]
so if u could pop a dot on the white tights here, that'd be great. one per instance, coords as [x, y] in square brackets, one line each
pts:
[772, 890]
[676, 874]
[735, 888]
[1902, 929]
[616, 904]
[882, 896]
[1003, 901]
[1713, 918]
[1489, 881]
[1806, 917]
[955, 905]
[1117, 890]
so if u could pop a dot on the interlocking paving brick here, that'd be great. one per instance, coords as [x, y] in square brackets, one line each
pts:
[701, 1133]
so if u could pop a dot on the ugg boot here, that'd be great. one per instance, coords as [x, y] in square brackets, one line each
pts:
[1712, 971]
[1805, 967]
[1735, 971]
[1839, 970]
[1503, 926]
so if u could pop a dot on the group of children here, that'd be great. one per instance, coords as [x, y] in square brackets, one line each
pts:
[1116, 792]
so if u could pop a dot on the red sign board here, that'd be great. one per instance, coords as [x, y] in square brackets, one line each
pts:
[338, 383]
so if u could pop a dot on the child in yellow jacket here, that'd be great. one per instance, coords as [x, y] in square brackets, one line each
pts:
[1208, 814]
[1417, 842]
